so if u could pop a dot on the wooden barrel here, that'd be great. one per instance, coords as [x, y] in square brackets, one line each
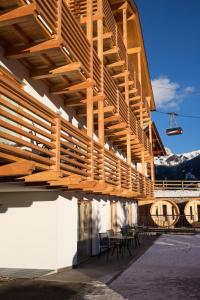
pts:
[165, 213]
[192, 212]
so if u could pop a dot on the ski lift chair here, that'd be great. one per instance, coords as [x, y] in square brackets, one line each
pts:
[174, 129]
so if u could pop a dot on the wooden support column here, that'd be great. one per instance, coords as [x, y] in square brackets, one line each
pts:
[141, 113]
[59, 22]
[101, 133]
[125, 35]
[152, 158]
[90, 108]
[125, 31]
[56, 139]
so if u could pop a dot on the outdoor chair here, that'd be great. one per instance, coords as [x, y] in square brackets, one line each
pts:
[104, 243]
[110, 232]
[128, 231]
[115, 244]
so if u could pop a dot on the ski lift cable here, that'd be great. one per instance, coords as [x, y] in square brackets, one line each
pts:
[179, 115]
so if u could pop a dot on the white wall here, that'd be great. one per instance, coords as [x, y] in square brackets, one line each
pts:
[101, 218]
[38, 230]
[66, 230]
[122, 213]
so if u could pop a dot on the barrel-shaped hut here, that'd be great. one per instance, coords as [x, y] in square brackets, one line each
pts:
[165, 213]
[192, 211]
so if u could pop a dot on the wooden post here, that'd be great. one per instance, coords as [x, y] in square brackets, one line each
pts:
[90, 108]
[59, 22]
[141, 104]
[101, 134]
[125, 32]
[56, 138]
[152, 159]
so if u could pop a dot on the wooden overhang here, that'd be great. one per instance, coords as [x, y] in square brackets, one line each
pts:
[158, 147]
[117, 6]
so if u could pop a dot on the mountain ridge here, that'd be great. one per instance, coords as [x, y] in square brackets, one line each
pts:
[184, 166]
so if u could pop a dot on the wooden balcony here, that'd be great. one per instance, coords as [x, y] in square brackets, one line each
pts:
[50, 40]
[39, 146]
[44, 38]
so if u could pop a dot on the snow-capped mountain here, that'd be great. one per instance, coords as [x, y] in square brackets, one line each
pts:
[175, 159]
[184, 166]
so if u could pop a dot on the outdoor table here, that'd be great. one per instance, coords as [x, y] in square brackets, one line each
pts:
[119, 239]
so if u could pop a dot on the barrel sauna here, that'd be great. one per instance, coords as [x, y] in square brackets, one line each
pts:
[165, 213]
[192, 212]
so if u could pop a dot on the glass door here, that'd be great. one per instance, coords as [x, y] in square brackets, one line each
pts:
[84, 248]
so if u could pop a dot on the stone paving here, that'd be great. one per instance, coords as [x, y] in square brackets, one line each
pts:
[165, 267]
[170, 269]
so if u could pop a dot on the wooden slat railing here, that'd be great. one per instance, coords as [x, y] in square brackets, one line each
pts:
[79, 7]
[74, 150]
[110, 89]
[31, 131]
[134, 180]
[48, 10]
[97, 161]
[134, 123]
[177, 185]
[26, 126]
[110, 165]
[125, 173]
[97, 65]
[110, 20]
[122, 49]
[75, 38]
[123, 108]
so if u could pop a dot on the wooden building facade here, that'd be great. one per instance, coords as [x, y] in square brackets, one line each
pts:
[75, 96]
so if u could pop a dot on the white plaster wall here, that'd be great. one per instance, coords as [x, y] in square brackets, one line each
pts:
[28, 230]
[67, 217]
[101, 218]
[134, 213]
[122, 213]
[38, 230]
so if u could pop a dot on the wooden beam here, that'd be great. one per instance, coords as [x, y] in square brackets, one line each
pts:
[82, 102]
[116, 64]
[131, 82]
[106, 109]
[105, 36]
[57, 71]
[136, 98]
[73, 179]
[95, 17]
[112, 119]
[17, 15]
[120, 74]
[18, 168]
[117, 126]
[33, 49]
[63, 89]
[84, 184]
[112, 51]
[43, 176]
[134, 50]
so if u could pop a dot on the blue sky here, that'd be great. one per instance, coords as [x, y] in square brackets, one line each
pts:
[171, 30]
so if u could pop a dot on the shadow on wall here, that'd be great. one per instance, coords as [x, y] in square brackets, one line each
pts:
[26, 199]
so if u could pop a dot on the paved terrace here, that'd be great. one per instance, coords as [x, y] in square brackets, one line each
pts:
[170, 269]
[167, 267]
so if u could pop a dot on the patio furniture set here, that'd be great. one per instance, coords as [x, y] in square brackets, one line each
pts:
[119, 242]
